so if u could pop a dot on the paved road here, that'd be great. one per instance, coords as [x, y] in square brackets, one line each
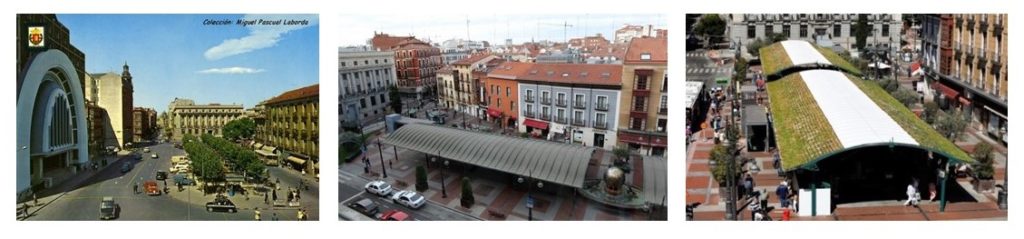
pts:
[83, 202]
[350, 189]
[701, 68]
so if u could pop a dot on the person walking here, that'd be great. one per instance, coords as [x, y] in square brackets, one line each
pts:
[257, 214]
[911, 195]
[273, 217]
[783, 193]
[135, 188]
[748, 185]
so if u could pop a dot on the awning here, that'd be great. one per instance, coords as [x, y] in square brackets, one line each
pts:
[964, 101]
[296, 160]
[536, 124]
[949, 92]
[493, 112]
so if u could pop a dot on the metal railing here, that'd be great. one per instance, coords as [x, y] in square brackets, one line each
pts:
[601, 106]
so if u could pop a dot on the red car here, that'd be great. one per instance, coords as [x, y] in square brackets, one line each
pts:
[394, 215]
[151, 188]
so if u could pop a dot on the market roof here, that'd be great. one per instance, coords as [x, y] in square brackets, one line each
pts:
[558, 163]
[781, 56]
[655, 180]
[754, 115]
[820, 112]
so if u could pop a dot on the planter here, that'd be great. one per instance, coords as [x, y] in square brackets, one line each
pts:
[983, 185]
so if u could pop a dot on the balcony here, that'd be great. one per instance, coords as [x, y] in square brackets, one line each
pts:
[970, 23]
[530, 99]
[600, 124]
[530, 114]
[663, 111]
[579, 122]
[545, 116]
[579, 105]
[561, 102]
[601, 106]
[560, 119]
[545, 100]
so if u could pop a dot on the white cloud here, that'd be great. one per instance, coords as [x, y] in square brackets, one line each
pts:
[259, 36]
[231, 70]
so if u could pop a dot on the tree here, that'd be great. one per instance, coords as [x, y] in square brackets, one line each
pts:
[906, 96]
[951, 124]
[395, 98]
[421, 179]
[239, 129]
[720, 157]
[711, 27]
[983, 169]
[861, 30]
[931, 111]
[467, 193]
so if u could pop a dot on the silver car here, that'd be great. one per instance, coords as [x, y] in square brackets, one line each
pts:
[408, 198]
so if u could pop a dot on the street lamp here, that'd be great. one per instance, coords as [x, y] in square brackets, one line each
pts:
[444, 192]
[383, 169]
[529, 192]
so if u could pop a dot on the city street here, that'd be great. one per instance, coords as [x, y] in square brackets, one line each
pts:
[350, 189]
[700, 67]
[83, 203]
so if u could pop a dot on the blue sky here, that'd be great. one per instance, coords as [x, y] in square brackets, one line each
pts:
[494, 28]
[178, 56]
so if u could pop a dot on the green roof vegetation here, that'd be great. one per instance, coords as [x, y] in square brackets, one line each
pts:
[838, 60]
[924, 134]
[774, 59]
[802, 131]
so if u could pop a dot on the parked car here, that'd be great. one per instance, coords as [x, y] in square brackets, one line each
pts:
[365, 206]
[151, 188]
[145, 150]
[408, 198]
[154, 156]
[394, 215]
[161, 175]
[126, 167]
[221, 203]
[109, 209]
[378, 187]
[183, 179]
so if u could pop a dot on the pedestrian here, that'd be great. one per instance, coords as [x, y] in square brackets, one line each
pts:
[135, 188]
[391, 164]
[257, 214]
[299, 214]
[783, 193]
[266, 199]
[35, 200]
[911, 195]
[748, 184]
[274, 195]
[274, 217]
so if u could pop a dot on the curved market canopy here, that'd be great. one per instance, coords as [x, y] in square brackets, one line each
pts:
[559, 163]
[818, 113]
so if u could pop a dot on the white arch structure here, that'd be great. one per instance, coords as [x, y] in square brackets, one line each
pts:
[51, 115]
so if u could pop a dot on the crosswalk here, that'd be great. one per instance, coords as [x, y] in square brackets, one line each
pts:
[707, 70]
[345, 176]
[696, 54]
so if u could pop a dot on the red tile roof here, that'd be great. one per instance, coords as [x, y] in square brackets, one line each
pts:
[308, 91]
[656, 47]
[560, 73]
[386, 42]
[472, 59]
